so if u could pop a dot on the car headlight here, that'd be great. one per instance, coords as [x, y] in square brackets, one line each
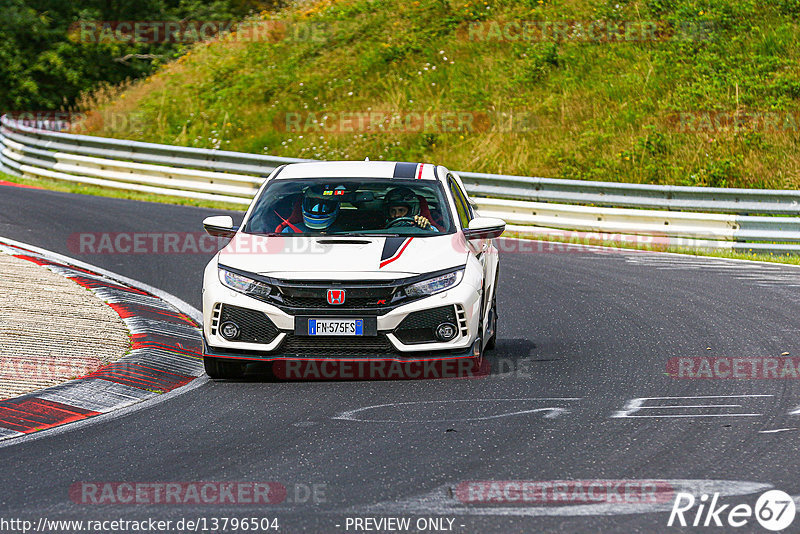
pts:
[243, 284]
[435, 285]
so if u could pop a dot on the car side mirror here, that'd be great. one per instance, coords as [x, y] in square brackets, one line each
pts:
[220, 226]
[485, 228]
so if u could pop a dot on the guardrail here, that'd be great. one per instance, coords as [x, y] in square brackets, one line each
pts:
[661, 197]
[147, 167]
[684, 216]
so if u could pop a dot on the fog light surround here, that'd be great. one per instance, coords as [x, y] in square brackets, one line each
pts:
[229, 330]
[446, 332]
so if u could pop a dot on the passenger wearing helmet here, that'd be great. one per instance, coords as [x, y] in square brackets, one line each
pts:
[320, 206]
[402, 209]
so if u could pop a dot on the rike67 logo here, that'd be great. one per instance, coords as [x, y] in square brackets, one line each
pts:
[774, 510]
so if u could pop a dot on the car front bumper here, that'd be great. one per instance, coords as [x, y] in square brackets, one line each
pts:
[283, 343]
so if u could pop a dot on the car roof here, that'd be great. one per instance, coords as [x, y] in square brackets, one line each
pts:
[358, 169]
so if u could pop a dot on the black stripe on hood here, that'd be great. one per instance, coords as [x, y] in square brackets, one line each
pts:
[391, 246]
[405, 170]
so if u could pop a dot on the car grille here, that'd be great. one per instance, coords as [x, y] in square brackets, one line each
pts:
[339, 347]
[420, 326]
[254, 326]
[376, 297]
[322, 302]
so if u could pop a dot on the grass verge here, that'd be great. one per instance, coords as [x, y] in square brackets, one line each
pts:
[712, 98]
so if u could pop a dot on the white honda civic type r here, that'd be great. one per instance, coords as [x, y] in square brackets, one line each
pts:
[352, 261]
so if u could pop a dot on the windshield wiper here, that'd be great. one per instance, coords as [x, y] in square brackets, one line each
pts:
[377, 235]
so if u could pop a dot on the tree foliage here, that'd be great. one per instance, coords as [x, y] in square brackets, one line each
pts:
[43, 66]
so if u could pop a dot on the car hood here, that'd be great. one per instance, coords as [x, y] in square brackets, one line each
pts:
[350, 257]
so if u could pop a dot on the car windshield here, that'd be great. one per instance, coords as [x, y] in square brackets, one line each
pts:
[357, 206]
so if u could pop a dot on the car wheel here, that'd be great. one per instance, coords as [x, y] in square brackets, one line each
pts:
[217, 368]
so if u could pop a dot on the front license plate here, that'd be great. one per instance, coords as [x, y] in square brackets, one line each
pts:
[336, 327]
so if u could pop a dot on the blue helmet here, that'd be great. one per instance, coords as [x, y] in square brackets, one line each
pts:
[321, 206]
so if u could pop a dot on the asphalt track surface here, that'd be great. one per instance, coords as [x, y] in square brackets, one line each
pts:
[597, 328]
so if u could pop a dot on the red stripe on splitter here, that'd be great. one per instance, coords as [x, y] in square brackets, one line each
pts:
[397, 254]
[419, 172]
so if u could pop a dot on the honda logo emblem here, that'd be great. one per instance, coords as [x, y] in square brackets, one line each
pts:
[336, 296]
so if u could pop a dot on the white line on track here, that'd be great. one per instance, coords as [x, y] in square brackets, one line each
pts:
[551, 412]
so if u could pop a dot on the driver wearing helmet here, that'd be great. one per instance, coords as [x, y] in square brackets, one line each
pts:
[402, 209]
[320, 208]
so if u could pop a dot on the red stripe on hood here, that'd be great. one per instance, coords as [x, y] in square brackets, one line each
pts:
[397, 254]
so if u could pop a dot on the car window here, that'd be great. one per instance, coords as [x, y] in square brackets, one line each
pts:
[462, 206]
[459, 184]
[351, 206]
